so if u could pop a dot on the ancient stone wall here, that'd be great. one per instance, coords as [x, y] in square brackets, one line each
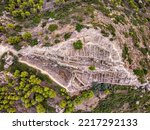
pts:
[70, 67]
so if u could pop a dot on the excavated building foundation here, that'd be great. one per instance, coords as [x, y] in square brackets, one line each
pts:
[70, 67]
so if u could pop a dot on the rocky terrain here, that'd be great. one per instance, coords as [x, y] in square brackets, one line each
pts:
[80, 45]
[70, 67]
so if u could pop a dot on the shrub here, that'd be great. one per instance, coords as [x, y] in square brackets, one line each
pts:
[144, 50]
[14, 40]
[46, 38]
[2, 29]
[36, 20]
[67, 36]
[104, 33]
[33, 42]
[53, 27]
[78, 45]
[79, 27]
[111, 29]
[48, 14]
[126, 34]
[10, 26]
[120, 19]
[57, 41]
[27, 36]
[92, 68]
[125, 52]
[18, 28]
[47, 44]
[139, 72]
[134, 36]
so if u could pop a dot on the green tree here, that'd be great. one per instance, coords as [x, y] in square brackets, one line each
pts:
[33, 102]
[63, 103]
[24, 74]
[40, 108]
[27, 14]
[78, 45]
[52, 93]
[34, 80]
[11, 110]
[78, 100]
[39, 98]
[17, 74]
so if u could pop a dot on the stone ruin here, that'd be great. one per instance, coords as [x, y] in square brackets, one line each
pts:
[70, 67]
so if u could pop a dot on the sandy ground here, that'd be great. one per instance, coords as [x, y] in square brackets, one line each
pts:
[3, 49]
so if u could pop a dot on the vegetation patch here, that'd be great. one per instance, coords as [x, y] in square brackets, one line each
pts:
[126, 55]
[79, 27]
[25, 9]
[67, 36]
[27, 36]
[92, 68]
[53, 27]
[14, 40]
[78, 45]
[124, 99]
